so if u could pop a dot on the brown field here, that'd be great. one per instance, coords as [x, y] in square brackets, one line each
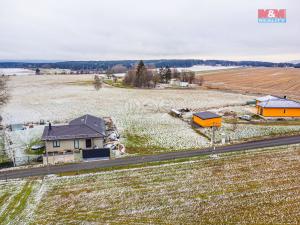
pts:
[275, 81]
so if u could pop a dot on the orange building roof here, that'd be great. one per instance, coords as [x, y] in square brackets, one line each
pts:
[206, 115]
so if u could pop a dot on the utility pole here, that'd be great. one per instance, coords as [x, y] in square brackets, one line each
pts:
[213, 138]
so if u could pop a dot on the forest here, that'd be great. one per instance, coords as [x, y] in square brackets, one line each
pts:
[106, 65]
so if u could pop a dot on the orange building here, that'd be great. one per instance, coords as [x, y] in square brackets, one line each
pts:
[207, 119]
[279, 108]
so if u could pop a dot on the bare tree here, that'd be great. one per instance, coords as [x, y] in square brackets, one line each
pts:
[129, 77]
[97, 82]
[37, 71]
[191, 76]
[175, 73]
[184, 76]
[119, 68]
[200, 81]
[156, 78]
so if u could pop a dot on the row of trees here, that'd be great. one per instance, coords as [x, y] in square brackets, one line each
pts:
[105, 65]
[141, 76]
[166, 74]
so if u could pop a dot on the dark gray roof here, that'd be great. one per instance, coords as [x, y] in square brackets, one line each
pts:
[83, 127]
[206, 115]
[93, 122]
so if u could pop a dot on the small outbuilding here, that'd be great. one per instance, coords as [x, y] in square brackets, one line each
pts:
[207, 119]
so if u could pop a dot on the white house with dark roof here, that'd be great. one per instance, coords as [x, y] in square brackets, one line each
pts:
[85, 132]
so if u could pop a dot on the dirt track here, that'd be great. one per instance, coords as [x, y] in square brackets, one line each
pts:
[276, 81]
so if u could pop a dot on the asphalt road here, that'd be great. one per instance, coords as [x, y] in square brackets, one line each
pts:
[40, 171]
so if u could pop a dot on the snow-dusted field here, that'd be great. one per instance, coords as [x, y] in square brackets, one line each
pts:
[16, 71]
[255, 188]
[142, 113]
[245, 131]
[239, 132]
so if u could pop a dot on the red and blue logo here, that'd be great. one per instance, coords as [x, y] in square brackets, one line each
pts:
[272, 15]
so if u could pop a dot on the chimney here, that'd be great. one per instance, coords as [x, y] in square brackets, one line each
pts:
[50, 126]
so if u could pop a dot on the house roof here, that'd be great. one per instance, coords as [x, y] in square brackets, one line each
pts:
[268, 98]
[206, 115]
[280, 103]
[93, 122]
[83, 127]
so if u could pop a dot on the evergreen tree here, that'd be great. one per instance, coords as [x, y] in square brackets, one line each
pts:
[168, 74]
[37, 71]
[175, 73]
[141, 74]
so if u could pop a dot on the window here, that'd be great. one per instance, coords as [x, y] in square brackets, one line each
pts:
[76, 144]
[88, 143]
[56, 144]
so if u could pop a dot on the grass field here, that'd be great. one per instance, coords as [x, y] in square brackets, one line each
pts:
[276, 81]
[261, 187]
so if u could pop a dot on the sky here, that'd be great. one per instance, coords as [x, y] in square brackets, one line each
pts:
[152, 29]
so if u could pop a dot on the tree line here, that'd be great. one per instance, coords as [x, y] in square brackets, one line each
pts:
[103, 66]
[143, 77]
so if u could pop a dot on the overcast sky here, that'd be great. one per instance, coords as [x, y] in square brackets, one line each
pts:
[147, 29]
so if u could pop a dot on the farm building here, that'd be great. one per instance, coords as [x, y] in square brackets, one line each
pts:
[178, 83]
[207, 119]
[280, 107]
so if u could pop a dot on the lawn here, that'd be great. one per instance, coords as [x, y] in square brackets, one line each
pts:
[258, 187]
[117, 83]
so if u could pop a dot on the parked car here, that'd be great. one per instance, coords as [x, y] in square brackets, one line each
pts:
[245, 117]
[37, 147]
